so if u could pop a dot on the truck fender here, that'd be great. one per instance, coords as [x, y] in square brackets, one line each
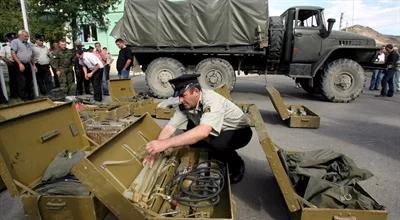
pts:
[335, 50]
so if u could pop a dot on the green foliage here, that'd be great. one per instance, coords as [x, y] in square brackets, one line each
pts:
[10, 17]
[75, 11]
[50, 17]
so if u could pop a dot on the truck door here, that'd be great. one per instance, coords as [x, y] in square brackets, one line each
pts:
[307, 39]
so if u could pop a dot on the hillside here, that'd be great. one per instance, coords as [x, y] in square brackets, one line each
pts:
[380, 39]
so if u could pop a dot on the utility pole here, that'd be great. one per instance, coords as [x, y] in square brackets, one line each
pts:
[352, 19]
[26, 28]
[341, 20]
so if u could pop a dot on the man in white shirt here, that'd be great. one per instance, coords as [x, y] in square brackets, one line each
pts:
[5, 55]
[41, 60]
[376, 74]
[93, 69]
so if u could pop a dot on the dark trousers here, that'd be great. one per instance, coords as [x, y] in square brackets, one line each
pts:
[96, 83]
[223, 147]
[13, 82]
[25, 83]
[43, 78]
[81, 82]
[387, 81]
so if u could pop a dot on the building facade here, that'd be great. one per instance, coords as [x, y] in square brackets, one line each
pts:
[90, 33]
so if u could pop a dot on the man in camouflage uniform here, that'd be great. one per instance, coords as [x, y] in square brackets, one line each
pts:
[63, 61]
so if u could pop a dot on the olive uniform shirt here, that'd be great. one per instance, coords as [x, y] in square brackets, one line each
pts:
[63, 59]
[213, 110]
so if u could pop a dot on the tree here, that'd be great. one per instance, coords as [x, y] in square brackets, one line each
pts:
[10, 17]
[11, 21]
[75, 12]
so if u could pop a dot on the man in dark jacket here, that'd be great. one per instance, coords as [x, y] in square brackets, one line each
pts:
[387, 80]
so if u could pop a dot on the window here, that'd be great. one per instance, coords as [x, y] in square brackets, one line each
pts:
[89, 33]
[308, 19]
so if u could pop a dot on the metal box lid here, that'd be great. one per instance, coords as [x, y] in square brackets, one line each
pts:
[278, 102]
[29, 142]
[12, 111]
[109, 184]
[294, 202]
[121, 89]
[110, 169]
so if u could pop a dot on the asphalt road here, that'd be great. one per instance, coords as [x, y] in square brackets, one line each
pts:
[367, 130]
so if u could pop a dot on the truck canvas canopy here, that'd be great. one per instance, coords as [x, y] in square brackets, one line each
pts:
[188, 23]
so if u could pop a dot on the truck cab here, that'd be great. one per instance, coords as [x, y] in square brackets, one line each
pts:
[322, 60]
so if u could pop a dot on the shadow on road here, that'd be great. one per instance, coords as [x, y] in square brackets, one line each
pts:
[259, 190]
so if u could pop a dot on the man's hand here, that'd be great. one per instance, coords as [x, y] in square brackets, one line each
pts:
[34, 68]
[149, 159]
[156, 146]
[58, 72]
[21, 67]
[90, 75]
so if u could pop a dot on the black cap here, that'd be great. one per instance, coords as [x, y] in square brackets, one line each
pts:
[39, 37]
[10, 35]
[183, 82]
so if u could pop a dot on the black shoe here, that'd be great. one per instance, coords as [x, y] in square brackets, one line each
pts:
[236, 171]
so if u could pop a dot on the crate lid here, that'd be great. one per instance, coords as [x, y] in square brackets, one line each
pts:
[109, 184]
[12, 111]
[278, 102]
[121, 89]
[29, 142]
[271, 153]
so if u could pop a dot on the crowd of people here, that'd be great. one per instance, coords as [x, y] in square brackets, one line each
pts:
[389, 76]
[59, 68]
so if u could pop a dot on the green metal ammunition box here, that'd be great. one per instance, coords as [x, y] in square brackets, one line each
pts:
[164, 113]
[42, 134]
[296, 205]
[110, 170]
[297, 116]
[141, 106]
[12, 111]
[224, 91]
[109, 112]
[121, 89]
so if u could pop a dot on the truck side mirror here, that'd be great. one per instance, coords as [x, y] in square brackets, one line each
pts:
[325, 33]
[331, 21]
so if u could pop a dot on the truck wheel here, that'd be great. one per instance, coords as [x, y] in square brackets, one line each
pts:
[215, 72]
[342, 81]
[159, 72]
[276, 33]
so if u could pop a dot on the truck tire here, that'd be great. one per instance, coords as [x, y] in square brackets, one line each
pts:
[159, 72]
[275, 34]
[215, 72]
[342, 81]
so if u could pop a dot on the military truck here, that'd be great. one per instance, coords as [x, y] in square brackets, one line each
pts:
[218, 38]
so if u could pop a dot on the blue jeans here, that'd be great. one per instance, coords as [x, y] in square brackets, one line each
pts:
[123, 74]
[387, 81]
[397, 80]
[375, 79]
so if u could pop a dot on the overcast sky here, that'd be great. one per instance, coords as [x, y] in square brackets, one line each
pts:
[381, 15]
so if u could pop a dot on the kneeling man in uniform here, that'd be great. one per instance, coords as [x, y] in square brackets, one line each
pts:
[210, 121]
